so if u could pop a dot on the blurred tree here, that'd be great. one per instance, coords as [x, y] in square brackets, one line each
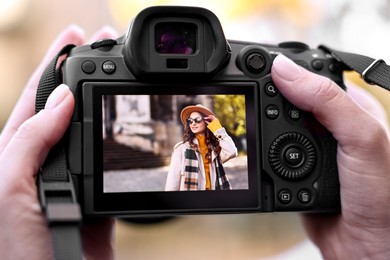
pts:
[230, 110]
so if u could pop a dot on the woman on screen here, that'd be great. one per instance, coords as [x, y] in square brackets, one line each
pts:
[196, 162]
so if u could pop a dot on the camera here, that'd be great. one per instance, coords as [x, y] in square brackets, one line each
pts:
[130, 91]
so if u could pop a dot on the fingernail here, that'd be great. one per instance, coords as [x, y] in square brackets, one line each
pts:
[286, 68]
[57, 96]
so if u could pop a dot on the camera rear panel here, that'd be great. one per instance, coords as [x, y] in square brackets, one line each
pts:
[291, 159]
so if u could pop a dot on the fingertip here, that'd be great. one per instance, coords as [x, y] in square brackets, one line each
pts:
[58, 96]
[285, 69]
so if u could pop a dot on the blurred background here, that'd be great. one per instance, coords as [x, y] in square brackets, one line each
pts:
[28, 27]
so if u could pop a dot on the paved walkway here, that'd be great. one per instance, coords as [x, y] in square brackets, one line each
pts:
[154, 179]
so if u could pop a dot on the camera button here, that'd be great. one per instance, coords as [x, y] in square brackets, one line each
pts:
[272, 111]
[271, 90]
[294, 157]
[88, 67]
[294, 114]
[109, 67]
[255, 63]
[334, 68]
[302, 63]
[285, 196]
[317, 64]
[305, 196]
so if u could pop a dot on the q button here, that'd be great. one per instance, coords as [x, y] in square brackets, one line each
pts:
[271, 90]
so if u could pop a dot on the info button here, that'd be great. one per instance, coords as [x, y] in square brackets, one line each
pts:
[272, 111]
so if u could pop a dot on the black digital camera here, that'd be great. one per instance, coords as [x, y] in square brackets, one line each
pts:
[129, 93]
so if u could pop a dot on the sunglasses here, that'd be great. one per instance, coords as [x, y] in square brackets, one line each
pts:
[194, 120]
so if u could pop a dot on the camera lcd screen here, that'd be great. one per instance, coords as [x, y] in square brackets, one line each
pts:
[143, 138]
[146, 146]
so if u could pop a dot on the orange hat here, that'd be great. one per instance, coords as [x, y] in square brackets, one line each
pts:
[186, 112]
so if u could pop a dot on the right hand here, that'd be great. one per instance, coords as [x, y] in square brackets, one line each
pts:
[362, 229]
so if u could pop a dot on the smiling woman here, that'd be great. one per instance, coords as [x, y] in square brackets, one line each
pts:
[196, 162]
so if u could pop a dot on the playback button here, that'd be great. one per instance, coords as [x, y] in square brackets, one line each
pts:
[285, 196]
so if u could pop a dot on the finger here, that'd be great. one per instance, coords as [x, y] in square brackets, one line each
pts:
[107, 32]
[25, 108]
[332, 106]
[368, 102]
[28, 148]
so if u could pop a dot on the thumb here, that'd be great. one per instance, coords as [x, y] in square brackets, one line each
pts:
[349, 123]
[28, 148]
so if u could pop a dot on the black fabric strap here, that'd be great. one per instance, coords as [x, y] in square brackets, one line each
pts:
[55, 185]
[373, 71]
[50, 79]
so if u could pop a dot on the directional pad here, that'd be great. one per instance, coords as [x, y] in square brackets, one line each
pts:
[292, 156]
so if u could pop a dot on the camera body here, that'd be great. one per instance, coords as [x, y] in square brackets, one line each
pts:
[129, 93]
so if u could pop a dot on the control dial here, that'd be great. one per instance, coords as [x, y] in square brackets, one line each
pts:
[292, 156]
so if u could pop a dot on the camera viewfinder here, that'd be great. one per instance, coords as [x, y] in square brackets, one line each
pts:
[175, 38]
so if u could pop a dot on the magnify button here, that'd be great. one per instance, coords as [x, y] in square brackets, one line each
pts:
[271, 90]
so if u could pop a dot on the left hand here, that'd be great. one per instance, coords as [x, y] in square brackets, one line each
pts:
[24, 144]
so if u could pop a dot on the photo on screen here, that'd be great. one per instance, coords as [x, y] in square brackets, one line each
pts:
[142, 132]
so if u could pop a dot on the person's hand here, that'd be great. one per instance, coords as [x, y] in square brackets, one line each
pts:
[24, 144]
[362, 229]
[209, 119]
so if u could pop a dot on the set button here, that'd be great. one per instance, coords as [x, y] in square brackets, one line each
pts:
[294, 157]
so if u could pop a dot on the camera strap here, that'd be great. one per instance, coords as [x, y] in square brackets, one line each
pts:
[373, 71]
[55, 186]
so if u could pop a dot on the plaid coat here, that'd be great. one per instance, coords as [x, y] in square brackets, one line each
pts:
[186, 171]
